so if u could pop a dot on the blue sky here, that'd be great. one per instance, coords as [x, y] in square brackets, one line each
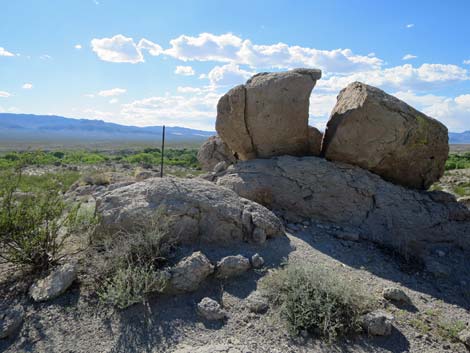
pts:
[168, 62]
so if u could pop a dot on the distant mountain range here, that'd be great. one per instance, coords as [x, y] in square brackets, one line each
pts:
[50, 128]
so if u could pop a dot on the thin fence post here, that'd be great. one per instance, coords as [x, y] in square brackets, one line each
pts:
[163, 151]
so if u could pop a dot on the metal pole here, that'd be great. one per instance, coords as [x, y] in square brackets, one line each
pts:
[163, 151]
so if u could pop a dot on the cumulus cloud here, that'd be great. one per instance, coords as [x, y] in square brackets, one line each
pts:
[27, 86]
[453, 112]
[112, 92]
[466, 62]
[121, 49]
[196, 111]
[4, 52]
[185, 71]
[409, 57]
[78, 46]
[4, 94]
[113, 101]
[228, 75]
[402, 77]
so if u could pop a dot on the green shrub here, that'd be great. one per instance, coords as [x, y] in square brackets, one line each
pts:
[458, 161]
[131, 285]
[128, 265]
[99, 179]
[314, 299]
[34, 224]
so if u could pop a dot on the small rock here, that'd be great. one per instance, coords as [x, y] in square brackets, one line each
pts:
[345, 235]
[396, 294]
[257, 261]
[209, 309]
[55, 284]
[10, 321]
[142, 175]
[257, 303]
[220, 167]
[378, 323]
[231, 266]
[464, 337]
[190, 272]
[440, 253]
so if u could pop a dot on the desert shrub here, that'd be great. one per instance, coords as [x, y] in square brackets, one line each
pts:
[99, 179]
[129, 265]
[131, 285]
[317, 300]
[458, 161]
[34, 221]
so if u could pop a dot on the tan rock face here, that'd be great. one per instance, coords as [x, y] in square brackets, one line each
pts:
[214, 151]
[268, 116]
[383, 134]
[314, 141]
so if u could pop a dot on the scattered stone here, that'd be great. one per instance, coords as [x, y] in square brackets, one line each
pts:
[10, 321]
[257, 261]
[197, 210]
[392, 216]
[464, 337]
[188, 274]
[214, 151]
[56, 283]
[347, 235]
[383, 134]
[396, 294]
[257, 303]
[440, 253]
[209, 309]
[144, 174]
[378, 323]
[231, 266]
[279, 101]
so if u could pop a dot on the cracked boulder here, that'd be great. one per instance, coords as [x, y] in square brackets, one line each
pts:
[214, 151]
[378, 132]
[268, 116]
[197, 210]
[410, 221]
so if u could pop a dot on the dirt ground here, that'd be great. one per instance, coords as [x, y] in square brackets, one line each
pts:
[76, 322]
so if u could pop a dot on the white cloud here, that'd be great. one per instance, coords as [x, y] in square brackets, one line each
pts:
[453, 112]
[112, 92]
[228, 75]
[197, 111]
[27, 86]
[78, 46]
[185, 71]
[45, 57]
[121, 49]
[409, 57]
[466, 62]
[410, 25]
[405, 77]
[4, 52]
[4, 94]
[113, 101]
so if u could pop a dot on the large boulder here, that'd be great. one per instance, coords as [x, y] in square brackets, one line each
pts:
[268, 116]
[383, 134]
[214, 151]
[406, 220]
[197, 210]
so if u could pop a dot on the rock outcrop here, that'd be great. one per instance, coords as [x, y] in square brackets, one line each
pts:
[314, 141]
[406, 220]
[214, 151]
[383, 134]
[268, 116]
[197, 211]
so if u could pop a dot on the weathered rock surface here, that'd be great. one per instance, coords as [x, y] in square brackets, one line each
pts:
[383, 134]
[55, 283]
[213, 151]
[198, 210]
[268, 116]
[257, 302]
[409, 221]
[189, 273]
[465, 200]
[464, 337]
[231, 266]
[314, 141]
[378, 323]
[209, 309]
[257, 261]
[396, 294]
[10, 321]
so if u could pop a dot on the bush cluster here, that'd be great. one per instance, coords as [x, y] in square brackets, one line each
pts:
[458, 161]
[314, 299]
